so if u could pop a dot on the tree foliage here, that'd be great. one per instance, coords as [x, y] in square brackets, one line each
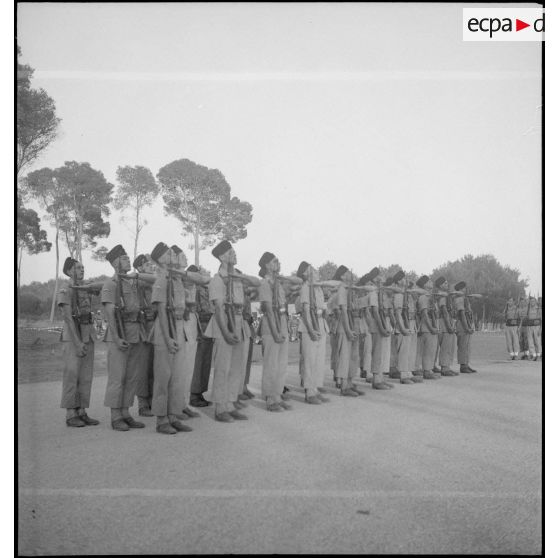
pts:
[137, 189]
[200, 198]
[37, 123]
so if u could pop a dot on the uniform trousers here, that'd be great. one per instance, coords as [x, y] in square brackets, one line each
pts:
[242, 376]
[428, 343]
[530, 339]
[169, 383]
[228, 370]
[447, 348]
[275, 360]
[512, 340]
[202, 366]
[402, 345]
[309, 363]
[78, 376]
[381, 349]
[334, 354]
[393, 353]
[123, 368]
[463, 347]
[249, 360]
[347, 356]
[418, 355]
[145, 372]
[367, 352]
[191, 330]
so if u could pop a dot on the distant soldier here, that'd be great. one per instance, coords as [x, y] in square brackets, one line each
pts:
[228, 329]
[530, 323]
[464, 327]
[538, 329]
[78, 338]
[121, 306]
[365, 338]
[402, 330]
[446, 338]
[204, 349]
[511, 316]
[428, 329]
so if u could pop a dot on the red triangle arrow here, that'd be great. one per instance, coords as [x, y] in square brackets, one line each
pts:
[519, 25]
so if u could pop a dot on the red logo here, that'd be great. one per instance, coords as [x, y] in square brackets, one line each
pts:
[519, 25]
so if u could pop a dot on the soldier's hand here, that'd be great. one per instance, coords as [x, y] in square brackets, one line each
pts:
[172, 346]
[313, 335]
[232, 339]
[351, 336]
[81, 350]
[280, 339]
[122, 344]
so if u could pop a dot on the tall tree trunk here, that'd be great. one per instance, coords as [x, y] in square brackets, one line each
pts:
[78, 239]
[19, 256]
[197, 247]
[53, 305]
[137, 231]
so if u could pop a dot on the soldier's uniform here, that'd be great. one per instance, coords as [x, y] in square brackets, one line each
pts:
[169, 370]
[402, 343]
[387, 304]
[538, 329]
[463, 336]
[275, 355]
[123, 365]
[204, 351]
[333, 323]
[245, 393]
[78, 371]
[428, 341]
[365, 341]
[512, 329]
[447, 337]
[411, 304]
[229, 361]
[530, 324]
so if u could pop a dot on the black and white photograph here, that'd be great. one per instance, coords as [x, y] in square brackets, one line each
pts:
[231, 214]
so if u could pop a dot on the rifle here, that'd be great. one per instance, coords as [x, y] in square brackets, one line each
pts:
[405, 309]
[170, 307]
[381, 309]
[468, 314]
[275, 304]
[118, 308]
[75, 307]
[350, 317]
[312, 306]
[432, 310]
[229, 300]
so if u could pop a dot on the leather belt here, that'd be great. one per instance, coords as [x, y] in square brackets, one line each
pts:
[512, 322]
[531, 322]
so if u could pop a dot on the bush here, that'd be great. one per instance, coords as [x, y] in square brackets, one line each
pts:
[30, 305]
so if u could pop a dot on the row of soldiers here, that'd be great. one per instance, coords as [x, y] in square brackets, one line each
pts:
[523, 328]
[169, 324]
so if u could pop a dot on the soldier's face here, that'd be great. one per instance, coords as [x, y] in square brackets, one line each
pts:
[124, 263]
[79, 271]
[166, 258]
[182, 260]
[229, 257]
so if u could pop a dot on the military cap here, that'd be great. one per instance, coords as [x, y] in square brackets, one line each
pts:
[341, 270]
[363, 280]
[398, 276]
[388, 281]
[460, 286]
[440, 281]
[221, 248]
[158, 251]
[177, 250]
[422, 281]
[68, 264]
[193, 268]
[140, 260]
[374, 273]
[302, 268]
[116, 252]
[266, 258]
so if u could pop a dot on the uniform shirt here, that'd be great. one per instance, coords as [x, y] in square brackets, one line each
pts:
[266, 295]
[362, 303]
[459, 305]
[522, 309]
[145, 290]
[321, 306]
[217, 290]
[511, 311]
[131, 304]
[371, 303]
[397, 302]
[423, 304]
[203, 306]
[443, 301]
[159, 295]
[532, 314]
[84, 307]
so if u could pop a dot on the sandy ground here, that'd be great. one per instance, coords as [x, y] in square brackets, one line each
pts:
[448, 466]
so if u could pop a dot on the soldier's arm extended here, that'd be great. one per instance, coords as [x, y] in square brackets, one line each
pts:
[400, 323]
[268, 312]
[305, 315]
[248, 280]
[447, 319]
[172, 345]
[94, 288]
[426, 319]
[345, 322]
[80, 346]
[111, 321]
[221, 319]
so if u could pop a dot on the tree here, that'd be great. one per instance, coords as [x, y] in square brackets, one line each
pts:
[37, 123]
[485, 275]
[85, 196]
[30, 237]
[137, 189]
[200, 198]
[327, 270]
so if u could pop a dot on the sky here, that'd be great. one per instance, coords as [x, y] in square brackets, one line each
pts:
[366, 134]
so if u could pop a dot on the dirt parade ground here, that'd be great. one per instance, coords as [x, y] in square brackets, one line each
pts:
[447, 466]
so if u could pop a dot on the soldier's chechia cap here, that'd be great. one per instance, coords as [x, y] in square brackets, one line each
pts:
[302, 268]
[440, 281]
[341, 270]
[460, 286]
[422, 281]
[192, 268]
[68, 264]
[158, 251]
[388, 281]
[373, 273]
[116, 252]
[266, 258]
[140, 260]
[363, 280]
[221, 248]
[177, 250]
[398, 276]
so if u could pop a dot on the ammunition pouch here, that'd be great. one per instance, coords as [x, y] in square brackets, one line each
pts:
[190, 309]
[130, 316]
[512, 322]
[532, 322]
[149, 314]
[84, 318]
